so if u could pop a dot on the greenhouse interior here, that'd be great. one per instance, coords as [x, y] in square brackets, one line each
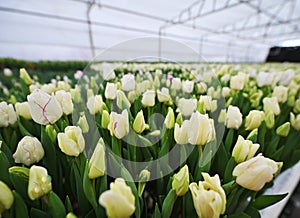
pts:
[150, 108]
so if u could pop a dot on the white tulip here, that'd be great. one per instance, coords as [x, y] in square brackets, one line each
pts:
[176, 83]
[94, 104]
[281, 93]
[187, 106]
[65, 100]
[181, 133]
[264, 79]
[286, 77]
[234, 117]
[188, 86]
[44, 108]
[201, 129]
[22, 109]
[271, 104]
[148, 99]
[128, 82]
[110, 91]
[29, 151]
[163, 95]
[8, 115]
[119, 124]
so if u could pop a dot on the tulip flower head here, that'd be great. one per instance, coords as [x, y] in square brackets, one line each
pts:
[119, 201]
[29, 151]
[44, 108]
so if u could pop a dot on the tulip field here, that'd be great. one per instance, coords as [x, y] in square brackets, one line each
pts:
[147, 139]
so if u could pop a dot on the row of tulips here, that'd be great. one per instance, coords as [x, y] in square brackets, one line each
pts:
[147, 140]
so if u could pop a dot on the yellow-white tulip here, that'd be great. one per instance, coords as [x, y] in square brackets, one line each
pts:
[271, 104]
[119, 200]
[209, 197]
[254, 119]
[254, 173]
[244, 149]
[39, 182]
[281, 93]
[181, 181]
[97, 163]
[71, 142]
[148, 99]
[187, 106]
[23, 110]
[163, 95]
[6, 197]
[94, 104]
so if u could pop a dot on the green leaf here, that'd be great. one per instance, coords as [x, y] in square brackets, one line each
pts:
[228, 171]
[36, 213]
[68, 205]
[55, 206]
[88, 188]
[168, 203]
[4, 166]
[156, 213]
[19, 206]
[267, 200]
[240, 215]
[229, 140]
[252, 212]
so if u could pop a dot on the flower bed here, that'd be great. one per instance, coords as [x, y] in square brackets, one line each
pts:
[147, 140]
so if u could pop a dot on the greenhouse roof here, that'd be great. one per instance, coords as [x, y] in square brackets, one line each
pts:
[218, 30]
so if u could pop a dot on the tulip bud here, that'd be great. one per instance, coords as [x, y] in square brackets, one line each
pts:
[29, 151]
[170, 119]
[209, 197]
[122, 101]
[94, 104]
[255, 98]
[83, 123]
[8, 115]
[181, 181]
[76, 96]
[254, 173]
[283, 130]
[297, 106]
[51, 132]
[63, 85]
[148, 99]
[139, 124]
[22, 109]
[201, 87]
[244, 150]
[187, 106]
[6, 197]
[222, 116]
[97, 163]
[48, 88]
[128, 82]
[179, 119]
[119, 194]
[271, 104]
[105, 119]
[295, 121]
[143, 179]
[110, 91]
[225, 92]
[270, 119]
[163, 95]
[71, 215]
[7, 72]
[25, 76]
[44, 109]
[39, 182]
[119, 124]
[281, 93]
[71, 142]
[187, 86]
[201, 129]
[132, 96]
[254, 119]
[234, 118]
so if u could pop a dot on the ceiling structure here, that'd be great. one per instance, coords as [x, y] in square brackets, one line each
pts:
[216, 30]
